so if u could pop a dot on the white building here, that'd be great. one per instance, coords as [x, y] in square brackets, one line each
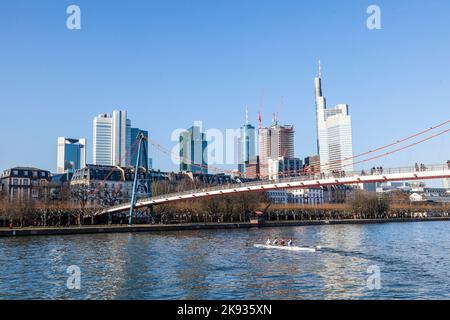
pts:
[306, 196]
[71, 154]
[112, 139]
[334, 133]
[311, 196]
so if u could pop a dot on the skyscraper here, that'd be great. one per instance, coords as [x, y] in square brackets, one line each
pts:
[193, 146]
[121, 138]
[112, 139]
[275, 142]
[71, 154]
[102, 140]
[334, 132]
[246, 146]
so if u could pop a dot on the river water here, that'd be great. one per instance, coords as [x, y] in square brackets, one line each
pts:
[412, 259]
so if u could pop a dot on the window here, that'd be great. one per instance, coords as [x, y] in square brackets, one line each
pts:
[15, 182]
[15, 172]
[25, 173]
[25, 182]
[34, 193]
[35, 174]
[43, 174]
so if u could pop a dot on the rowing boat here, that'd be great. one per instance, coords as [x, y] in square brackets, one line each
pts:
[304, 249]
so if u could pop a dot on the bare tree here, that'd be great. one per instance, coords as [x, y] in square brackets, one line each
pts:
[81, 194]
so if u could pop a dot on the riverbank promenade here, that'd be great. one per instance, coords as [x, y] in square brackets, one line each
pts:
[79, 230]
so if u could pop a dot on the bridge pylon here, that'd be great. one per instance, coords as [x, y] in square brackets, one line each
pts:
[142, 154]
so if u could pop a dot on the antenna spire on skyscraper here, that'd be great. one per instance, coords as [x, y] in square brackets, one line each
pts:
[246, 115]
[320, 69]
[259, 120]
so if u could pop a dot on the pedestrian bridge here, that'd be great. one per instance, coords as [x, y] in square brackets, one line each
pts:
[423, 172]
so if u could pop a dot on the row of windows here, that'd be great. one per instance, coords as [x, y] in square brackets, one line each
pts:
[27, 173]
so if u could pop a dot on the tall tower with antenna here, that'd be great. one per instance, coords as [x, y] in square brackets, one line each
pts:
[334, 132]
[246, 146]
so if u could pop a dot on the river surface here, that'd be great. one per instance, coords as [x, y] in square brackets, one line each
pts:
[413, 260]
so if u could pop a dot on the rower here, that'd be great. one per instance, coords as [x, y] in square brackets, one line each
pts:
[282, 243]
[268, 242]
[290, 243]
[275, 242]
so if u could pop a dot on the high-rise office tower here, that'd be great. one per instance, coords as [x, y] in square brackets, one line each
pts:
[334, 133]
[275, 142]
[121, 138]
[71, 154]
[112, 139]
[263, 149]
[102, 140]
[193, 150]
[246, 146]
[282, 141]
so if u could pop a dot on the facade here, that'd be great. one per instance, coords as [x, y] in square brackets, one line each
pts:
[109, 185]
[71, 154]
[284, 167]
[193, 151]
[277, 196]
[311, 196]
[274, 143]
[252, 169]
[120, 138]
[112, 139]
[337, 194]
[334, 133]
[264, 150]
[25, 183]
[246, 147]
[312, 165]
[102, 140]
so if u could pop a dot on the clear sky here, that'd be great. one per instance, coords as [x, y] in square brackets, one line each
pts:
[170, 63]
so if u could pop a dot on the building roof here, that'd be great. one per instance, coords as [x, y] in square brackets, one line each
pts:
[26, 168]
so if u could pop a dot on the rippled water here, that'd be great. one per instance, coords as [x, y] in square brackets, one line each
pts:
[413, 258]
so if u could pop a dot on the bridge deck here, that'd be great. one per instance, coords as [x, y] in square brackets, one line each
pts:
[298, 182]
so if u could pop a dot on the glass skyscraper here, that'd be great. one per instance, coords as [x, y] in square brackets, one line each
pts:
[134, 133]
[246, 146]
[193, 148]
[71, 154]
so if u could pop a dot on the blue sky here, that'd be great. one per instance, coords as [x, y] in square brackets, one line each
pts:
[170, 63]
